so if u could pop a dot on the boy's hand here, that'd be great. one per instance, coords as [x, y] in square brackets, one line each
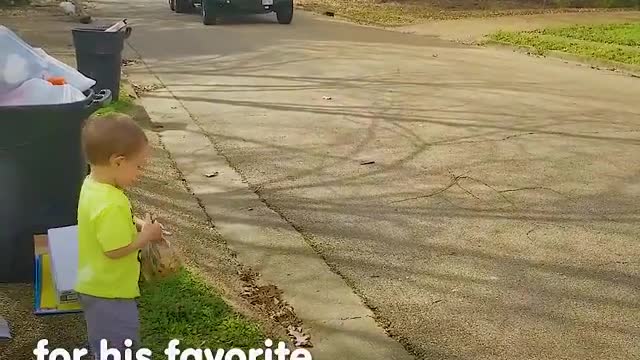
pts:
[139, 222]
[151, 230]
[164, 230]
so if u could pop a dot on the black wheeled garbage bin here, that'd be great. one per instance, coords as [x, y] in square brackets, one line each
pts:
[41, 171]
[99, 55]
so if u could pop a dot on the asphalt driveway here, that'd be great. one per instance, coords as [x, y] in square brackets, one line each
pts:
[482, 202]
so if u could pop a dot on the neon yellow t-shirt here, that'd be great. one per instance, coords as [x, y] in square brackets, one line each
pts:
[105, 223]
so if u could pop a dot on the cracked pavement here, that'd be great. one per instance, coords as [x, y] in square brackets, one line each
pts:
[483, 203]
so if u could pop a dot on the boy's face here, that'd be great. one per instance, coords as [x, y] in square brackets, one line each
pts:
[126, 170]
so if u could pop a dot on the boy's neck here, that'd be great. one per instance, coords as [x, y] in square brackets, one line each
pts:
[103, 176]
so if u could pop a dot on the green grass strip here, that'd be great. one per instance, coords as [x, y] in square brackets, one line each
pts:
[544, 43]
[618, 34]
[184, 308]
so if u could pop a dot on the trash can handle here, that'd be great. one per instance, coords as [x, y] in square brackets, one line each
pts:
[99, 100]
[127, 32]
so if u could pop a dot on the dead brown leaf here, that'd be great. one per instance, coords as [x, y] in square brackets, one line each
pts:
[299, 337]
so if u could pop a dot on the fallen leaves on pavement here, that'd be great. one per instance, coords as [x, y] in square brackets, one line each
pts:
[300, 338]
[127, 62]
[268, 298]
[142, 89]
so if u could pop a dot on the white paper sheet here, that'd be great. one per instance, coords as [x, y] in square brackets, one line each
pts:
[63, 246]
[5, 333]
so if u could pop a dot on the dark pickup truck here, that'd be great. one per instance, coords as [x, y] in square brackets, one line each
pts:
[213, 9]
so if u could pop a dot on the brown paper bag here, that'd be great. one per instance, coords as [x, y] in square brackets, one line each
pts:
[159, 260]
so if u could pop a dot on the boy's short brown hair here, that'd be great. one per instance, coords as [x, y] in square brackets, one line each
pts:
[111, 134]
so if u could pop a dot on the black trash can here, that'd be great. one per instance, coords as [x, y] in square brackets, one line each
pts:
[41, 171]
[99, 55]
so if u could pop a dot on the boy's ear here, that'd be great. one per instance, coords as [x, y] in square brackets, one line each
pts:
[116, 160]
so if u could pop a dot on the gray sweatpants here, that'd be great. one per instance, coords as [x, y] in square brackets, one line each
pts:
[114, 320]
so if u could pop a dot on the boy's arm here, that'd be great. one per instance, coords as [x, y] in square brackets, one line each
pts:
[136, 245]
[150, 231]
[113, 230]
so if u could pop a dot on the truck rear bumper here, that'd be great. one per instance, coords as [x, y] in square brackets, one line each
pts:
[251, 6]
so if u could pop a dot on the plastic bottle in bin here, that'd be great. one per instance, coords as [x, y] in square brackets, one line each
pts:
[56, 68]
[24, 70]
[42, 92]
[19, 62]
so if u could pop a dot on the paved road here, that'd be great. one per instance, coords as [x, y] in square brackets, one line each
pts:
[483, 203]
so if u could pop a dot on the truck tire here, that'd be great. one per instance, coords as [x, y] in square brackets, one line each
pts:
[209, 16]
[284, 12]
[183, 6]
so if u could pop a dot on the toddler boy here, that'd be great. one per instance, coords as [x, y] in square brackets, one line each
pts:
[108, 267]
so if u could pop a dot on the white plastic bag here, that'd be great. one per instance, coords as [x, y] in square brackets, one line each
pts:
[18, 61]
[159, 260]
[41, 92]
[56, 68]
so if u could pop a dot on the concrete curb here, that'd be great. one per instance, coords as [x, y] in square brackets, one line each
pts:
[341, 326]
[627, 69]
